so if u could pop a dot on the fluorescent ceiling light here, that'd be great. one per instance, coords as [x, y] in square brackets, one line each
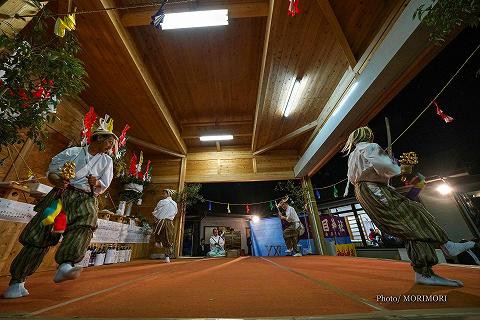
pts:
[292, 98]
[345, 97]
[195, 19]
[216, 138]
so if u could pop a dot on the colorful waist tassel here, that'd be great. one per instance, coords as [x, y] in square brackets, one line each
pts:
[50, 213]
[418, 183]
[60, 223]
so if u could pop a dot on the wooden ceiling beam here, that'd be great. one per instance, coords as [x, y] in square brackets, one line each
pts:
[287, 137]
[337, 30]
[264, 71]
[216, 124]
[153, 147]
[142, 16]
[145, 74]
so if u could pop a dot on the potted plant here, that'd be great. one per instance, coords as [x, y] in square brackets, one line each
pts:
[133, 184]
[37, 68]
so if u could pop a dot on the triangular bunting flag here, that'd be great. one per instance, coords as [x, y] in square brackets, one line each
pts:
[442, 115]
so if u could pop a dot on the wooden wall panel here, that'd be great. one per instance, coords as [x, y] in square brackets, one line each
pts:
[6, 162]
[10, 247]
[232, 166]
[64, 132]
[358, 29]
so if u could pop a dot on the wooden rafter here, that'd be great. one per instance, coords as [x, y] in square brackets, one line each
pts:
[12, 26]
[153, 147]
[141, 17]
[216, 124]
[147, 78]
[358, 68]
[262, 85]
[337, 30]
[287, 137]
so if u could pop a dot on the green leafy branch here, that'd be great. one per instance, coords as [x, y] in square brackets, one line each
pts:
[444, 16]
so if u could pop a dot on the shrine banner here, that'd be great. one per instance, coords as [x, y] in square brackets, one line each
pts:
[335, 229]
[345, 250]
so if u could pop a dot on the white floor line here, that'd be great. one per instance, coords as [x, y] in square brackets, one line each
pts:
[34, 313]
[331, 287]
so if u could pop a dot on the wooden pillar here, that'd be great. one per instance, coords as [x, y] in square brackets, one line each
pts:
[314, 217]
[180, 221]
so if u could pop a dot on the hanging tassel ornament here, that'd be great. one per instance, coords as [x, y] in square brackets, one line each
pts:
[317, 194]
[228, 208]
[209, 206]
[335, 191]
[157, 18]
[293, 8]
[442, 115]
[271, 205]
[248, 209]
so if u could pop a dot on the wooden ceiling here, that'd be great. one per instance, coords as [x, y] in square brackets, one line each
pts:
[173, 86]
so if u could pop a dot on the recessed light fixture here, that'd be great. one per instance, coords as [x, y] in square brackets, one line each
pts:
[292, 98]
[195, 19]
[217, 138]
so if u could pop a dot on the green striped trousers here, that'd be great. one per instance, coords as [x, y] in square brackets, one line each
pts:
[403, 218]
[81, 210]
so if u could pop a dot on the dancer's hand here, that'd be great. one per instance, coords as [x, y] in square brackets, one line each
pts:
[58, 181]
[92, 181]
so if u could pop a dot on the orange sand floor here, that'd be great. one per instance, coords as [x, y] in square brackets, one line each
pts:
[247, 287]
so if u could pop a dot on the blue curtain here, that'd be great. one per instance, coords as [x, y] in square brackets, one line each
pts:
[267, 237]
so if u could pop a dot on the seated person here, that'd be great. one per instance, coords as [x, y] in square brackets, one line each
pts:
[217, 244]
[374, 237]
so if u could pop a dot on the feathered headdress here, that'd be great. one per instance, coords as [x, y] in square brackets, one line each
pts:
[105, 127]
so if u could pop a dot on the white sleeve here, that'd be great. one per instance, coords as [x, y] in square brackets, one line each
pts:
[106, 177]
[381, 162]
[212, 243]
[160, 206]
[289, 214]
[59, 160]
[221, 242]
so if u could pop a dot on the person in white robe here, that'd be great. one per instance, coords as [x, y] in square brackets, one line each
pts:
[164, 231]
[294, 229]
[217, 245]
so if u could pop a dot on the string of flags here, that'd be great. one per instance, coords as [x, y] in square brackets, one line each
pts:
[272, 204]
